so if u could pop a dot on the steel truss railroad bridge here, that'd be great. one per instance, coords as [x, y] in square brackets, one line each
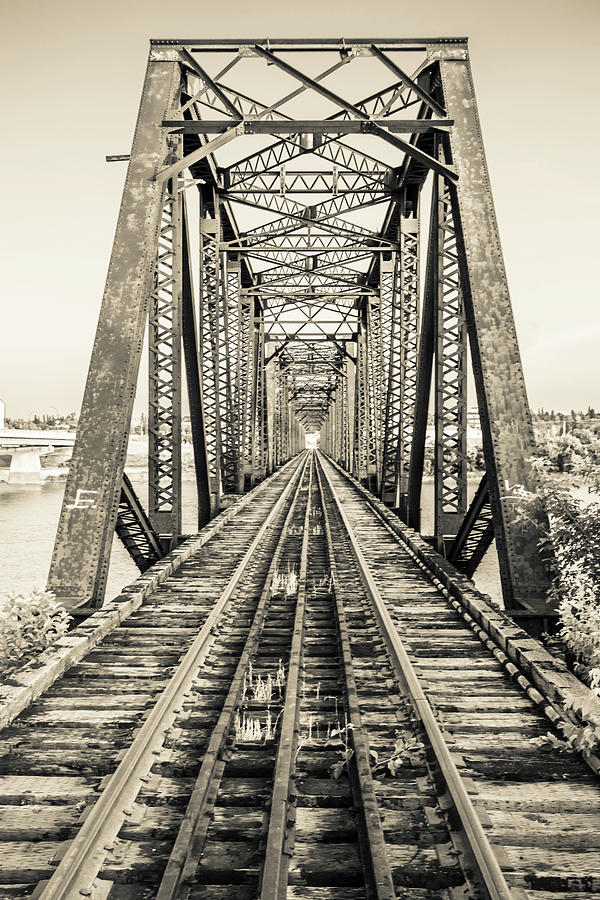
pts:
[279, 197]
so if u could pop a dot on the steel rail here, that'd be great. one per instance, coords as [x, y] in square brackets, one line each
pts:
[492, 876]
[86, 853]
[548, 706]
[363, 788]
[189, 843]
[275, 867]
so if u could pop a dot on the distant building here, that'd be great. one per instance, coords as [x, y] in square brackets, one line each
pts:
[2, 411]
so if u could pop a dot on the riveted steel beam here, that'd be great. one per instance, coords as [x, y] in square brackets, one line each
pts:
[307, 126]
[81, 554]
[507, 429]
[164, 374]
[210, 338]
[192, 371]
[450, 462]
[426, 346]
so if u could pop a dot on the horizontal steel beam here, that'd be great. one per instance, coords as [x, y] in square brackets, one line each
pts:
[307, 126]
[352, 249]
[306, 339]
[298, 43]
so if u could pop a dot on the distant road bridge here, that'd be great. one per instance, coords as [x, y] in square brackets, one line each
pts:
[26, 449]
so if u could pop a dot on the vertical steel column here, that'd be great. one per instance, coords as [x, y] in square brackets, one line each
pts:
[84, 537]
[297, 434]
[192, 376]
[285, 419]
[374, 363]
[350, 382]
[508, 440]
[450, 468]
[392, 361]
[325, 436]
[409, 339]
[271, 427]
[362, 416]
[164, 374]
[424, 369]
[246, 353]
[330, 422]
[345, 461]
[210, 301]
[262, 437]
[338, 428]
[230, 342]
[277, 437]
[247, 383]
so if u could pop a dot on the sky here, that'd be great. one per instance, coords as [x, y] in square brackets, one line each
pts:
[71, 79]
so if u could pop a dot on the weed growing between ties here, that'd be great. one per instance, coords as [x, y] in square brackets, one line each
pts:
[285, 583]
[406, 751]
[256, 689]
[28, 625]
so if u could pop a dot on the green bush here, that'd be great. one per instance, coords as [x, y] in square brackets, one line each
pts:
[573, 539]
[28, 624]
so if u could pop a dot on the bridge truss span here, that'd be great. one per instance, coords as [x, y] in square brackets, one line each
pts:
[311, 223]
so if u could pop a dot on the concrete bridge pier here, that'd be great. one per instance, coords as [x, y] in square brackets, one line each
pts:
[26, 466]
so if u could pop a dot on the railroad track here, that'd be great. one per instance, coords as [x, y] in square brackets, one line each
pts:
[255, 728]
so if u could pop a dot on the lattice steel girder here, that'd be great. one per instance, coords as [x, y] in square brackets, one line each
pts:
[192, 372]
[425, 353]
[230, 352]
[392, 413]
[164, 373]
[374, 332]
[389, 301]
[260, 436]
[210, 340]
[409, 334]
[450, 469]
[246, 364]
[81, 553]
[503, 408]
[362, 400]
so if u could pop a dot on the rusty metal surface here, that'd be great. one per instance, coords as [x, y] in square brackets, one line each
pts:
[502, 398]
[164, 372]
[450, 464]
[192, 376]
[80, 560]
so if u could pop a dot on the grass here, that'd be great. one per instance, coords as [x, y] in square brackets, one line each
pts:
[29, 623]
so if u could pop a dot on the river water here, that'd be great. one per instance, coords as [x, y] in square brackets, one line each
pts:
[29, 516]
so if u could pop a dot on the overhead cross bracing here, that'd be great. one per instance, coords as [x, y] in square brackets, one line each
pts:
[308, 228]
[301, 173]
